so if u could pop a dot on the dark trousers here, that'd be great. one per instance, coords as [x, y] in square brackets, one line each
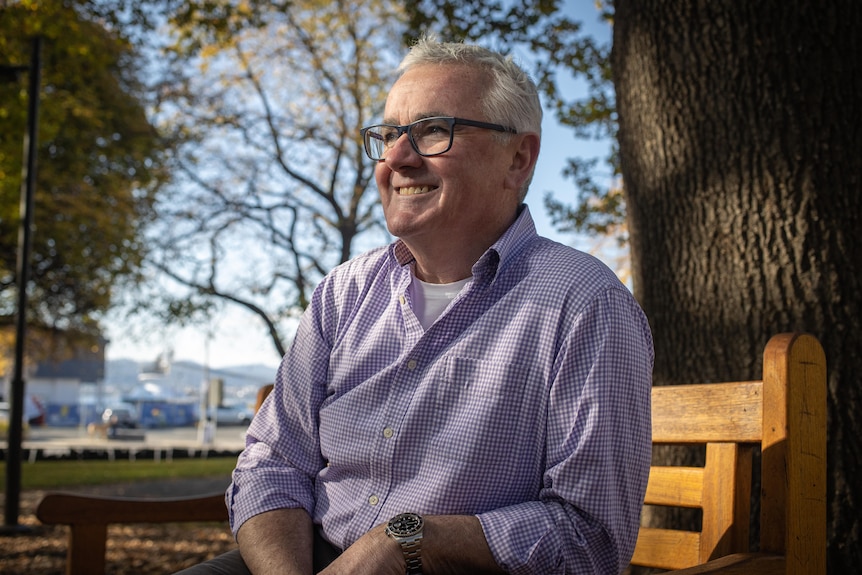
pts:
[231, 563]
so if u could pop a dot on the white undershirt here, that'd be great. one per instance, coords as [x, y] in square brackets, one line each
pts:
[429, 300]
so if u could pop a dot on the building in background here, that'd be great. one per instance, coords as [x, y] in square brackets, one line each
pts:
[66, 385]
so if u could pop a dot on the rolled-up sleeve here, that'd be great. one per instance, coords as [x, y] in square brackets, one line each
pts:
[282, 456]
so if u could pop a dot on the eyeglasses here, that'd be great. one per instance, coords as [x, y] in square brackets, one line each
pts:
[429, 136]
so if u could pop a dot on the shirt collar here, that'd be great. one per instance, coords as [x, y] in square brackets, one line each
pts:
[522, 230]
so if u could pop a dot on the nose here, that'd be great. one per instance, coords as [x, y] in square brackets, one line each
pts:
[402, 154]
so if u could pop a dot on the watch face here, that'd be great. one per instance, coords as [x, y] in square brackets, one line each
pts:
[405, 524]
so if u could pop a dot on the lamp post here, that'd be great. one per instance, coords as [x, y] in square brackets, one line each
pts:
[16, 414]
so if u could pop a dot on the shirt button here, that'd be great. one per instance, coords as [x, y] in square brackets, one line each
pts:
[388, 432]
[373, 500]
[402, 299]
[411, 365]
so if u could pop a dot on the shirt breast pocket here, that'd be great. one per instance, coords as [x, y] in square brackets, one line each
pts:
[479, 411]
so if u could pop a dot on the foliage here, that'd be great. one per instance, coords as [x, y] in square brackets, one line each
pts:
[264, 103]
[561, 52]
[99, 162]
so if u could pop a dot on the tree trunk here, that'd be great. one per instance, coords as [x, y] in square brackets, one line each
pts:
[741, 145]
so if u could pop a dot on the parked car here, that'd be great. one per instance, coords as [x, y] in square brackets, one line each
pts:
[229, 414]
[121, 415]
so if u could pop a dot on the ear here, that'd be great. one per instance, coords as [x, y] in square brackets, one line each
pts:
[524, 150]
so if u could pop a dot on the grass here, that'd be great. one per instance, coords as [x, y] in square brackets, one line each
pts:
[59, 474]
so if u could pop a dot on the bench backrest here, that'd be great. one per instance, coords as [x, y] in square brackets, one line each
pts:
[785, 415]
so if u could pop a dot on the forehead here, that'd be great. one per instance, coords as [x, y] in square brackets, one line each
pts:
[436, 90]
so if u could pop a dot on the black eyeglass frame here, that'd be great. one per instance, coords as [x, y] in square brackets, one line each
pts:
[450, 120]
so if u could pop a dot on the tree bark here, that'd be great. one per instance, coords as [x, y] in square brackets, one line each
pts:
[741, 145]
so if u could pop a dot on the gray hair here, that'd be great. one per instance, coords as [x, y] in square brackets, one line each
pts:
[511, 97]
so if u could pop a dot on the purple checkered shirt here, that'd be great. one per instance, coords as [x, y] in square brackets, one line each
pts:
[527, 404]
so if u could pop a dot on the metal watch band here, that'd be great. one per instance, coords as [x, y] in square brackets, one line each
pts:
[413, 556]
[406, 529]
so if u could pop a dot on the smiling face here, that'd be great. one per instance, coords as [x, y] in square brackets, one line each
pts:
[465, 198]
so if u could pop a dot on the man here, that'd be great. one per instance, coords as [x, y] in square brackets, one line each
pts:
[472, 398]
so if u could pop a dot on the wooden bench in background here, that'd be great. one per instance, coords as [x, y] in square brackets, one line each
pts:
[88, 517]
[784, 414]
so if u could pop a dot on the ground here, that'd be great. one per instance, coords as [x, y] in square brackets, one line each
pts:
[131, 549]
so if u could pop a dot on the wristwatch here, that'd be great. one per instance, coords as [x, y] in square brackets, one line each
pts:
[406, 529]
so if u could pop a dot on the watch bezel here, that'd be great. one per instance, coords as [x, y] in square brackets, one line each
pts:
[405, 525]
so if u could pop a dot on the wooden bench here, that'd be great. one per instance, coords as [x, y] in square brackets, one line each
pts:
[784, 414]
[88, 517]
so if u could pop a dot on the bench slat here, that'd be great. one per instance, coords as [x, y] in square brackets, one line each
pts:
[667, 548]
[71, 509]
[707, 412]
[675, 486]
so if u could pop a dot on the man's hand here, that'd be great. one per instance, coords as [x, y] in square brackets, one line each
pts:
[451, 545]
[375, 553]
